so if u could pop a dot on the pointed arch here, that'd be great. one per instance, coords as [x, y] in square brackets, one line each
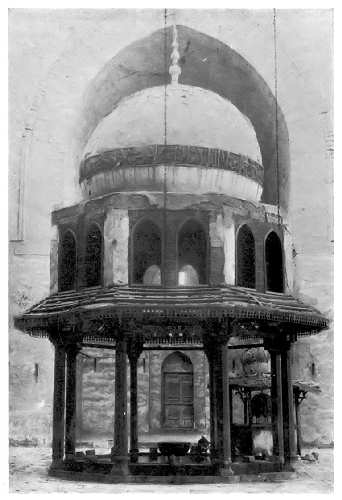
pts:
[245, 257]
[177, 362]
[274, 263]
[68, 262]
[93, 256]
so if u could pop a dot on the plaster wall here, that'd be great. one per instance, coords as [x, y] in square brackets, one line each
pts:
[116, 233]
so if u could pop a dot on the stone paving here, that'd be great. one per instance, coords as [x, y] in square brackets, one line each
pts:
[28, 474]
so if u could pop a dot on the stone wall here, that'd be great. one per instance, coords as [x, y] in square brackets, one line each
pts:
[96, 391]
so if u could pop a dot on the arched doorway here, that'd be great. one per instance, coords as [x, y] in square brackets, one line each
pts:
[177, 392]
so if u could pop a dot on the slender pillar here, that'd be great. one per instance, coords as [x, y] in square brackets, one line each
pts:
[289, 425]
[134, 352]
[119, 450]
[226, 420]
[70, 413]
[58, 406]
[280, 417]
[274, 402]
[298, 426]
[231, 405]
[218, 381]
[79, 394]
[213, 402]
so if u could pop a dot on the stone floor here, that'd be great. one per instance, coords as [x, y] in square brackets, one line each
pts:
[28, 474]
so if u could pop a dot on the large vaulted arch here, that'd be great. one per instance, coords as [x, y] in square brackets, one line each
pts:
[208, 63]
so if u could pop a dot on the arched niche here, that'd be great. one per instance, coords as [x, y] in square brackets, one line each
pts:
[188, 276]
[177, 392]
[152, 276]
[192, 253]
[67, 262]
[93, 256]
[274, 263]
[245, 258]
[146, 252]
[207, 63]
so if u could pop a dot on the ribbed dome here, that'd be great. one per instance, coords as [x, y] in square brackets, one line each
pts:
[177, 114]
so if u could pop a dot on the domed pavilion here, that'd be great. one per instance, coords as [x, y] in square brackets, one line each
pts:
[178, 247]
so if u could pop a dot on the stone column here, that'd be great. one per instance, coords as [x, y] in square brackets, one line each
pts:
[70, 413]
[119, 450]
[58, 406]
[134, 352]
[226, 414]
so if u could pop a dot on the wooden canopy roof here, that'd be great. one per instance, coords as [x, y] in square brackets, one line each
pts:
[150, 305]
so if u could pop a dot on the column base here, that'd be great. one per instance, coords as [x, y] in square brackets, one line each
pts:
[134, 454]
[226, 470]
[120, 464]
[56, 464]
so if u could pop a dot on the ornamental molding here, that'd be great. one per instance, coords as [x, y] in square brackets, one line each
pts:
[173, 155]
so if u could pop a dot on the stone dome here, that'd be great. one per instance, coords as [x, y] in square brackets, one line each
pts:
[180, 138]
[175, 114]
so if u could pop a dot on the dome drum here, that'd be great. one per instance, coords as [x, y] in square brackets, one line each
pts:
[178, 168]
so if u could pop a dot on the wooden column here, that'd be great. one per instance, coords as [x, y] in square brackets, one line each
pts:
[58, 406]
[289, 426]
[226, 420]
[70, 413]
[134, 352]
[119, 450]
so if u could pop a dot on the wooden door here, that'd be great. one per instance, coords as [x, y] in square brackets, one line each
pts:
[178, 401]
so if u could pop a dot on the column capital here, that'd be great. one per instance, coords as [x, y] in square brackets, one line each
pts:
[278, 344]
[73, 348]
[134, 349]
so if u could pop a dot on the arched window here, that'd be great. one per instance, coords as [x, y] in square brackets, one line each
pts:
[146, 253]
[93, 257]
[245, 257]
[68, 259]
[192, 254]
[178, 403]
[274, 263]
[152, 275]
[188, 276]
